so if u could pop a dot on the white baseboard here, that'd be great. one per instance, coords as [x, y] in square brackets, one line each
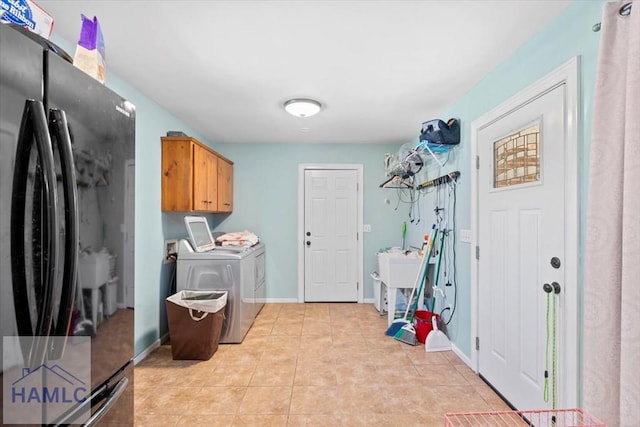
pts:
[147, 351]
[295, 301]
[282, 300]
[461, 355]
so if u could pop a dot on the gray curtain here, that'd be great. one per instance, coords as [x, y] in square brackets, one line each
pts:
[611, 344]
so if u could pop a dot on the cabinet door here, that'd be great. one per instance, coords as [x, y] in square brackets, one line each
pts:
[204, 179]
[191, 179]
[212, 181]
[177, 175]
[225, 186]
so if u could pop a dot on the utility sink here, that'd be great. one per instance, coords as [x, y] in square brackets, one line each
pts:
[93, 269]
[398, 269]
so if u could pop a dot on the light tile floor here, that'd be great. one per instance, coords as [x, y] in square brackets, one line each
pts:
[310, 365]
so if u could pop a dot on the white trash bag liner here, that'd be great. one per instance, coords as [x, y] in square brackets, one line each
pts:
[202, 301]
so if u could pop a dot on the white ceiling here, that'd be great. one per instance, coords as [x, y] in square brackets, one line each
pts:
[380, 68]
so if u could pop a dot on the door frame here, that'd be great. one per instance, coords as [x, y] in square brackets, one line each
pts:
[570, 358]
[359, 168]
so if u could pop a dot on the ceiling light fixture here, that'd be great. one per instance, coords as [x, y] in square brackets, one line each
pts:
[302, 107]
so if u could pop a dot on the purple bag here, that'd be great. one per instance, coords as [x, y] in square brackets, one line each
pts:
[90, 52]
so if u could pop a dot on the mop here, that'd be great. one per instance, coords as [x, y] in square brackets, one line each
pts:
[437, 276]
[436, 339]
[407, 333]
[397, 324]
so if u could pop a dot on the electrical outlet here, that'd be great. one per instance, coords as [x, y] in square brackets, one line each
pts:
[465, 235]
[366, 228]
[170, 247]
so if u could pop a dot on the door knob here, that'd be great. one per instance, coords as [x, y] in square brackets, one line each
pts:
[553, 287]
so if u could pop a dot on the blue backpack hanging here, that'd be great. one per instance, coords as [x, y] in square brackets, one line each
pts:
[438, 132]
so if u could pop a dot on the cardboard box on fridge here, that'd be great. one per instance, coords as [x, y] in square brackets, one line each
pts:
[27, 14]
[90, 51]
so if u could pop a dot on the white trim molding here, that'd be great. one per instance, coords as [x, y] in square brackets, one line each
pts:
[359, 168]
[147, 351]
[568, 74]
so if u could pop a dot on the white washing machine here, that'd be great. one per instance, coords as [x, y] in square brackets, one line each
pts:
[238, 270]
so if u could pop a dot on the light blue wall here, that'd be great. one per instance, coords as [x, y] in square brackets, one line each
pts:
[152, 121]
[266, 203]
[567, 36]
[265, 191]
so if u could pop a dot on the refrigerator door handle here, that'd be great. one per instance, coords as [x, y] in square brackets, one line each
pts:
[34, 128]
[111, 399]
[59, 131]
[107, 395]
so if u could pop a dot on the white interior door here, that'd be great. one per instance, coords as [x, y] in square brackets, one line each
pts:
[330, 235]
[521, 220]
[129, 238]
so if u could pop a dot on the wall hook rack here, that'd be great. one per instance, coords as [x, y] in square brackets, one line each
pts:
[441, 180]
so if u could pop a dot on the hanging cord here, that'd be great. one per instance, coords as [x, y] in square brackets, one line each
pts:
[450, 271]
[545, 393]
[551, 324]
[415, 206]
[418, 206]
[554, 358]
[410, 196]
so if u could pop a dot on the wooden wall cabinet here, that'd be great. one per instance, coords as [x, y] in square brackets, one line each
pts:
[194, 177]
[225, 185]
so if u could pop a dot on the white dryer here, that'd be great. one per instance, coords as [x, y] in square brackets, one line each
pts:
[238, 270]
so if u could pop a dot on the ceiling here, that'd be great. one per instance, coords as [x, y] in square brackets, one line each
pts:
[380, 68]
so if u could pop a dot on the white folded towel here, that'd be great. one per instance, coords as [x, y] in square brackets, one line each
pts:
[239, 238]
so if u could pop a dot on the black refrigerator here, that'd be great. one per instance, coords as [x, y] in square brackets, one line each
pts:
[67, 171]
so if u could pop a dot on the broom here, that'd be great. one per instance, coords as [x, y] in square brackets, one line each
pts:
[407, 333]
[397, 324]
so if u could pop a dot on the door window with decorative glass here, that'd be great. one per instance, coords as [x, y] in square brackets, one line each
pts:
[516, 157]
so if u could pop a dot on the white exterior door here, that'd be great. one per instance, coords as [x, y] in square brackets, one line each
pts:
[521, 227]
[330, 235]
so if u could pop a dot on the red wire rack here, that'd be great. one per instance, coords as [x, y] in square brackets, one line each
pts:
[538, 418]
